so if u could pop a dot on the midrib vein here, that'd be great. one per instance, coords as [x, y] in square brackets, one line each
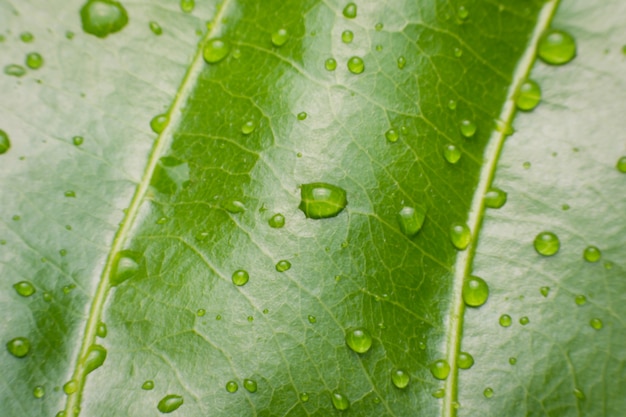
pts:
[463, 264]
[161, 143]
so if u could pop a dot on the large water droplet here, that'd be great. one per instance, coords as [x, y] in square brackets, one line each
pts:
[240, 277]
[24, 288]
[340, 401]
[400, 378]
[283, 265]
[5, 142]
[232, 386]
[557, 47]
[475, 291]
[347, 36]
[359, 340]
[505, 320]
[170, 403]
[460, 236]
[277, 221]
[350, 11]
[215, 50]
[451, 153]
[187, 6]
[18, 347]
[592, 254]
[159, 122]
[96, 355]
[621, 164]
[147, 385]
[280, 37]
[103, 17]
[250, 385]
[547, 244]
[320, 200]
[495, 198]
[125, 266]
[468, 128]
[34, 60]
[411, 220]
[440, 369]
[528, 96]
[356, 65]
[465, 360]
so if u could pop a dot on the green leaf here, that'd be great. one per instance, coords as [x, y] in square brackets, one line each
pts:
[294, 239]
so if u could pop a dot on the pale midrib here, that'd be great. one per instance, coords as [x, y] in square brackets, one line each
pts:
[161, 143]
[463, 264]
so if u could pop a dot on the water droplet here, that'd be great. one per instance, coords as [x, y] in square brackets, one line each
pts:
[512, 360]
[5, 142]
[302, 115]
[24, 288]
[462, 12]
[379, 27]
[304, 397]
[440, 393]
[187, 6]
[78, 140]
[440, 369]
[312, 319]
[125, 266]
[356, 65]
[101, 330]
[392, 135]
[621, 164]
[505, 320]
[232, 386]
[411, 220]
[547, 244]
[39, 391]
[596, 323]
[379, 48]
[460, 236]
[468, 128]
[347, 36]
[488, 392]
[215, 50]
[400, 378]
[18, 347]
[465, 360]
[350, 11]
[544, 291]
[155, 28]
[103, 17]
[27, 37]
[359, 340]
[277, 221]
[248, 127]
[235, 206]
[475, 291]
[70, 387]
[451, 153]
[15, 70]
[320, 200]
[452, 104]
[580, 300]
[201, 312]
[526, 165]
[34, 60]
[579, 394]
[330, 64]
[280, 37]
[159, 122]
[495, 198]
[458, 52]
[250, 385]
[70, 194]
[170, 403]
[528, 96]
[95, 357]
[69, 34]
[240, 277]
[401, 62]
[524, 321]
[556, 47]
[283, 265]
[147, 385]
[340, 401]
[592, 254]
[47, 297]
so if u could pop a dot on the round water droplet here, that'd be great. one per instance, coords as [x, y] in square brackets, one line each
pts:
[392, 135]
[400, 378]
[95, 357]
[475, 291]
[15, 70]
[320, 200]
[462, 12]
[340, 401]
[495, 198]
[103, 17]
[304, 397]
[24, 288]
[596, 323]
[458, 52]
[347, 36]
[512, 360]
[159, 122]
[232, 386]
[592, 254]
[27, 37]
[401, 62]
[18, 347]
[488, 392]
[578, 393]
[356, 65]
[621, 165]
[277, 221]
[440, 369]
[547, 244]
[451, 153]
[170, 403]
[78, 140]
[155, 28]
[465, 360]
[580, 300]
[280, 37]
[524, 321]
[312, 319]
[70, 387]
[556, 47]
[330, 64]
[440, 393]
[505, 320]
[240, 277]
[468, 128]
[544, 291]
[147, 385]
[302, 115]
[39, 391]
[283, 265]
[359, 340]
[201, 312]
[215, 50]
[528, 96]
[5, 142]
[379, 27]
[350, 11]
[187, 6]
[411, 220]
[250, 385]
[460, 236]
[34, 60]
[452, 104]
[125, 266]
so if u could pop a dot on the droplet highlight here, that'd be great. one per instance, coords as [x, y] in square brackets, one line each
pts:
[451, 153]
[283, 265]
[250, 385]
[277, 221]
[96, 355]
[34, 60]
[592, 254]
[232, 386]
[467, 128]
[280, 37]
[465, 360]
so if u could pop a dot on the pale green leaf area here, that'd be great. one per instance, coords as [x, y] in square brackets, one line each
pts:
[295, 239]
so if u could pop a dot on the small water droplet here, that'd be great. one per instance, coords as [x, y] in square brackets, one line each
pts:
[201, 312]
[359, 340]
[240, 277]
[347, 36]
[277, 221]
[330, 64]
[512, 360]
[235, 206]
[505, 320]
[488, 392]
[556, 47]
[18, 347]
[350, 11]
[460, 236]
[462, 12]
[356, 65]
[47, 297]
[621, 165]
[475, 291]
[15, 70]
[440, 393]
[34, 60]
[547, 244]
[101, 330]
[280, 37]
[401, 62]
[69, 35]
[544, 291]
[580, 300]
[392, 135]
[379, 27]
[411, 220]
[103, 17]
[400, 378]
[250, 385]
[70, 387]
[78, 140]
[312, 319]
[440, 369]
[596, 323]
[592, 254]
[302, 115]
[70, 194]
[528, 95]
[524, 321]
[468, 128]
[452, 105]
[232, 386]
[125, 266]
[187, 6]
[155, 28]
[465, 360]
[283, 265]
[27, 37]
[451, 153]
[5, 142]
[458, 52]
[304, 397]
[159, 122]
[339, 400]
[147, 385]
[495, 198]
[215, 50]
[320, 200]
[24, 288]
[95, 357]
[61, 414]
[39, 391]
[170, 403]
[526, 165]
[379, 47]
